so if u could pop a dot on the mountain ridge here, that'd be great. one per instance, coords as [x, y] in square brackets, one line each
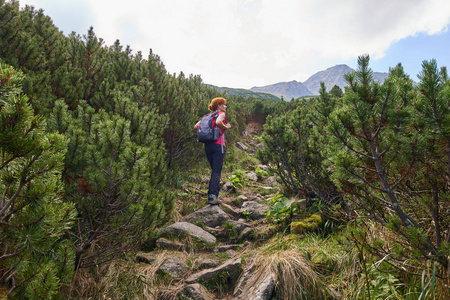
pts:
[295, 89]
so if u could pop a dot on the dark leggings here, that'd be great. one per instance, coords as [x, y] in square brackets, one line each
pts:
[215, 154]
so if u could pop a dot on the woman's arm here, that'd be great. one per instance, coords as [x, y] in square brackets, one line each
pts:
[220, 120]
[197, 125]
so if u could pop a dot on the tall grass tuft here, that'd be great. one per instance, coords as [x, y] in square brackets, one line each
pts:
[295, 275]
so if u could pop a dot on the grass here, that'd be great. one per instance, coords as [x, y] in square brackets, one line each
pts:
[126, 280]
[295, 273]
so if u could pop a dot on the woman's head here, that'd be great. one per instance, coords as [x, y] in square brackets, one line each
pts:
[216, 102]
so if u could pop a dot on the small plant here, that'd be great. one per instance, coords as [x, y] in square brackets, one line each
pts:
[230, 229]
[261, 174]
[247, 215]
[219, 283]
[238, 178]
[283, 210]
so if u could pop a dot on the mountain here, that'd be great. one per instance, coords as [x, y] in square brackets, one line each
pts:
[245, 93]
[287, 90]
[331, 77]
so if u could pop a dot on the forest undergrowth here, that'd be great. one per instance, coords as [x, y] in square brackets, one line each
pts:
[322, 263]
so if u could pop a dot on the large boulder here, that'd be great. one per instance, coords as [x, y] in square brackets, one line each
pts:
[183, 229]
[210, 215]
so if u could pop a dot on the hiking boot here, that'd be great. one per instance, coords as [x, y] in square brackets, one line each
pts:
[214, 200]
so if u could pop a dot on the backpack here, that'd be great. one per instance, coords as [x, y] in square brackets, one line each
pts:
[208, 131]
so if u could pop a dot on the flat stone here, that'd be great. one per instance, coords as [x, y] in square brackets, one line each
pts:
[183, 229]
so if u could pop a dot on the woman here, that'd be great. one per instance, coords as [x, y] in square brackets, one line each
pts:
[215, 151]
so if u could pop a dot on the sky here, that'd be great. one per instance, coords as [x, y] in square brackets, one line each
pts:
[247, 43]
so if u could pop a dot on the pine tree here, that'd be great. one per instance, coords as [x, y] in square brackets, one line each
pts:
[36, 259]
[432, 146]
[115, 164]
[374, 154]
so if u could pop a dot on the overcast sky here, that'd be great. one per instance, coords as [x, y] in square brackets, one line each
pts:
[246, 43]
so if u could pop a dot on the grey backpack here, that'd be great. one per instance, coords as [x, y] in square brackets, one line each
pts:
[208, 131]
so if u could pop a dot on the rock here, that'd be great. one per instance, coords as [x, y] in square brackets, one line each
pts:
[207, 263]
[248, 234]
[242, 198]
[254, 209]
[232, 267]
[146, 258]
[195, 291]
[231, 253]
[254, 284]
[240, 225]
[228, 187]
[163, 243]
[241, 146]
[263, 167]
[252, 176]
[225, 248]
[257, 198]
[211, 215]
[271, 181]
[183, 229]
[230, 210]
[173, 266]
[258, 287]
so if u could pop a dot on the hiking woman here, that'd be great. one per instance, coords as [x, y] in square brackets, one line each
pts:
[215, 151]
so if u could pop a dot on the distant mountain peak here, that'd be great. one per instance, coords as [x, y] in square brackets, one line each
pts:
[331, 77]
[287, 90]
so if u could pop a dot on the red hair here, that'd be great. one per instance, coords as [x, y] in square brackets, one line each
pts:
[216, 102]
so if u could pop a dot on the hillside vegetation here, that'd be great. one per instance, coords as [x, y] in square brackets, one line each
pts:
[98, 157]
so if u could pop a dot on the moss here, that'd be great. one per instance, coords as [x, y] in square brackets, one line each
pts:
[309, 224]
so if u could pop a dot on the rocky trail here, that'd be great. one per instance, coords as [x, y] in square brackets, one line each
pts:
[207, 254]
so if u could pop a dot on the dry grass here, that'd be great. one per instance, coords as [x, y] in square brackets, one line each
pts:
[126, 280]
[295, 275]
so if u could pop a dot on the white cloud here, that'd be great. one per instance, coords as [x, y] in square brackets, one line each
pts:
[243, 43]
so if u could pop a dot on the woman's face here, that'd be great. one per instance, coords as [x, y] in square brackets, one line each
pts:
[222, 107]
